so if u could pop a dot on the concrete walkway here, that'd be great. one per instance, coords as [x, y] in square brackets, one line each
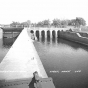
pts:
[22, 60]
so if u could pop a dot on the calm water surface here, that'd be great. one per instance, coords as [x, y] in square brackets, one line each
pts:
[66, 62]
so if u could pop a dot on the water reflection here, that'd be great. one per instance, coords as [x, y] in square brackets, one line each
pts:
[51, 41]
[7, 43]
[43, 39]
[54, 40]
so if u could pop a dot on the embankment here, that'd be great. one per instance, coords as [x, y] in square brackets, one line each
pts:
[73, 36]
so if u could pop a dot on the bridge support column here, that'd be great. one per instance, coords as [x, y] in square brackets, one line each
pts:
[39, 33]
[55, 33]
[34, 32]
[50, 33]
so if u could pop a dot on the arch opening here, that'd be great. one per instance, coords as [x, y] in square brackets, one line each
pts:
[31, 31]
[37, 34]
[48, 34]
[43, 34]
[53, 34]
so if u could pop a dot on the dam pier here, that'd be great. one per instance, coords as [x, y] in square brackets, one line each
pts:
[10, 34]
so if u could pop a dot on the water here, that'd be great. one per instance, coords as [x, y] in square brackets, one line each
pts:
[66, 62]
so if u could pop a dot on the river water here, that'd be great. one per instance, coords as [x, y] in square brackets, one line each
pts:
[66, 62]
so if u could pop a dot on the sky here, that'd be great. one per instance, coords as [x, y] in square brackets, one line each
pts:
[38, 10]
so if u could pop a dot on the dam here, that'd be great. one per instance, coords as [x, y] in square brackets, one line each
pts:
[64, 60]
[10, 34]
[38, 32]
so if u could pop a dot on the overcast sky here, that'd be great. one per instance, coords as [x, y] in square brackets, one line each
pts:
[38, 10]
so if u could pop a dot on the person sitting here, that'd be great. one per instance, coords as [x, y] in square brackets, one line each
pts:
[34, 80]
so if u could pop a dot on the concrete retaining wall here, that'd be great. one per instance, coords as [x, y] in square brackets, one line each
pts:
[72, 36]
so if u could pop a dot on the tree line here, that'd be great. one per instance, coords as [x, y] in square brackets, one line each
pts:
[77, 22]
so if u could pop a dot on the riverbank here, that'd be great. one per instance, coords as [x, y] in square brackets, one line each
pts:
[74, 36]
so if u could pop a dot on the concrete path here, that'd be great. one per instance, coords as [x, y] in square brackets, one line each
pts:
[21, 60]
